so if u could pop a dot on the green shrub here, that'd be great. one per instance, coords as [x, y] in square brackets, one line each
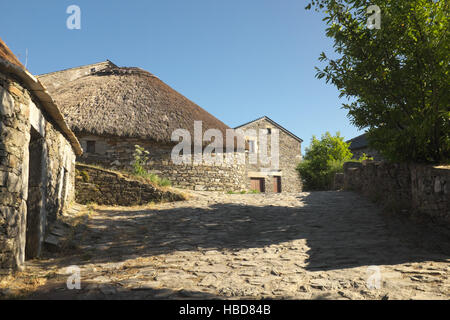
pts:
[323, 159]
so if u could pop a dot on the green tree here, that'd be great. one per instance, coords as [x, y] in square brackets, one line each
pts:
[323, 159]
[396, 77]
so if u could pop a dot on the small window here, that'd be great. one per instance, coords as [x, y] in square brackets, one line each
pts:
[90, 146]
[269, 130]
[251, 146]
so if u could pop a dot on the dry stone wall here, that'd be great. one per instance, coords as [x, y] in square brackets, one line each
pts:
[420, 190]
[117, 153]
[106, 187]
[51, 174]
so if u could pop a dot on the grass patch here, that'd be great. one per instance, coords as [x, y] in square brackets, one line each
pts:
[152, 178]
[243, 192]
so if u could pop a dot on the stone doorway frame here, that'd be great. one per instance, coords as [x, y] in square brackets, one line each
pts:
[35, 213]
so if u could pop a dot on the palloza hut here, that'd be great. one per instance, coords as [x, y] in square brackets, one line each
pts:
[112, 109]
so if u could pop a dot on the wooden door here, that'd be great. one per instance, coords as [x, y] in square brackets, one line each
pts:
[277, 184]
[257, 184]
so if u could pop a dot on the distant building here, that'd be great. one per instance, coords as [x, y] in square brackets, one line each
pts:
[360, 146]
[265, 178]
[37, 162]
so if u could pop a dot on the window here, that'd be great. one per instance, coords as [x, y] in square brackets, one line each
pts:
[251, 146]
[269, 130]
[90, 146]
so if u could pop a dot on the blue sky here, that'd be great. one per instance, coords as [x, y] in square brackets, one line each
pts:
[237, 59]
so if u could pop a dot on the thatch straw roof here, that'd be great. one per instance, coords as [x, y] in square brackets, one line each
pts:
[7, 55]
[11, 65]
[129, 102]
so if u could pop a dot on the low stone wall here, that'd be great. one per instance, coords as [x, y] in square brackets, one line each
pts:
[117, 154]
[105, 187]
[203, 177]
[420, 190]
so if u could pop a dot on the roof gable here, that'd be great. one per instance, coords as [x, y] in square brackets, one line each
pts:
[358, 142]
[273, 123]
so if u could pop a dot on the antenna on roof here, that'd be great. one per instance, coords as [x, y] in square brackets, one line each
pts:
[26, 58]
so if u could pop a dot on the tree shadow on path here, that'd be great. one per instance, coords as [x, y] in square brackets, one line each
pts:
[341, 229]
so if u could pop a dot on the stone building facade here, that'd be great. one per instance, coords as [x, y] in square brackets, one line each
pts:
[37, 163]
[117, 152]
[269, 177]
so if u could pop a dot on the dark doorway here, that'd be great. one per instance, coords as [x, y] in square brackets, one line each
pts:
[258, 184]
[277, 184]
[35, 221]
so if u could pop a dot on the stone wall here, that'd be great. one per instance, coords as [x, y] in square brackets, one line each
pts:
[50, 167]
[117, 153]
[204, 177]
[106, 187]
[419, 190]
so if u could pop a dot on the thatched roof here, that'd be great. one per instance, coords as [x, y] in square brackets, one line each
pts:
[129, 102]
[7, 55]
[11, 65]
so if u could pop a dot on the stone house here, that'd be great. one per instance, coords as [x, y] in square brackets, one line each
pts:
[265, 177]
[37, 162]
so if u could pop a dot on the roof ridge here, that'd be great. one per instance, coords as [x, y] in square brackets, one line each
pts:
[79, 67]
[114, 70]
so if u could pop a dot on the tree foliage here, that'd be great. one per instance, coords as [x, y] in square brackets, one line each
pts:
[323, 159]
[396, 77]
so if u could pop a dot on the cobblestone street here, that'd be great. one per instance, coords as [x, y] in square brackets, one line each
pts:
[219, 246]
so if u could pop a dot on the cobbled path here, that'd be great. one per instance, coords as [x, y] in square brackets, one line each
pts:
[320, 245]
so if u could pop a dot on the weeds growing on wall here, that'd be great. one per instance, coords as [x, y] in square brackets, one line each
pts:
[141, 157]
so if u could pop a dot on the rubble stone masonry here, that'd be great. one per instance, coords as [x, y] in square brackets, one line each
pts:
[420, 190]
[51, 180]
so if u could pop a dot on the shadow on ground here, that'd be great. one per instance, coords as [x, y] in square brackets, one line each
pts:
[111, 293]
[342, 230]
